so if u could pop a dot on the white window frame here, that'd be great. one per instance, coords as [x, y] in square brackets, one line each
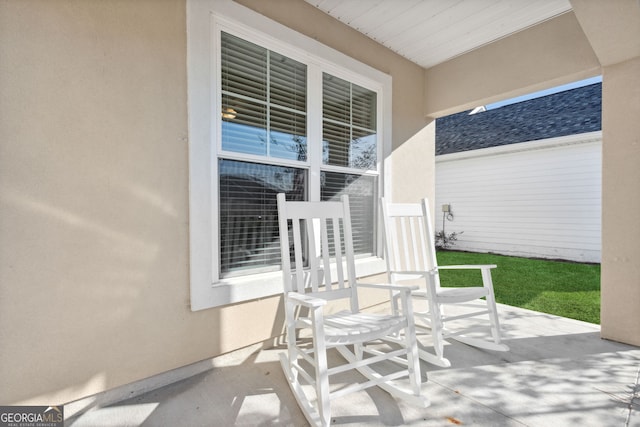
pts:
[205, 19]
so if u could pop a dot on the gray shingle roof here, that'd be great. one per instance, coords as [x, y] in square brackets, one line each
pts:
[565, 113]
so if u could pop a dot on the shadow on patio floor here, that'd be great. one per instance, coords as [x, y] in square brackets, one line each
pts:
[558, 372]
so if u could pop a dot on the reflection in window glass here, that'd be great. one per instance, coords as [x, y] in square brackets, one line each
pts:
[363, 153]
[288, 139]
[249, 214]
[245, 128]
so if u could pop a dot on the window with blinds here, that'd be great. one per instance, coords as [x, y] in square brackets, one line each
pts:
[349, 140]
[249, 215]
[348, 124]
[264, 101]
[264, 114]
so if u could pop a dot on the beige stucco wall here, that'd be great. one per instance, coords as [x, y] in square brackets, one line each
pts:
[546, 55]
[620, 312]
[94, 284]
[613, 30]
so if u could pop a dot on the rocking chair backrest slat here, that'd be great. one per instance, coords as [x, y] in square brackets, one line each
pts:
[404, 241]
[324, 253]
[348, 241]
[424, 244]
[429, 233]
[415, 226]
[409, 237]
[339, 257]
[299, 262]
[321, 250]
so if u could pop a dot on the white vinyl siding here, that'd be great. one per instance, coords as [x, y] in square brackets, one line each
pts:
[535, 199]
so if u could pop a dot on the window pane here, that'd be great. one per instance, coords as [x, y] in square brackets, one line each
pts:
[339, 150]
[336, 99]
[288, 135]
[363, 107]
[249, 214]
[244, 126]
[363, 152]
[264, 101]
[362, 192]
[349, 124]
[244, 68]
[335, 149]
[288, 84]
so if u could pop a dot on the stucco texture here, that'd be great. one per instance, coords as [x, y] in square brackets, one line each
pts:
[94, 195]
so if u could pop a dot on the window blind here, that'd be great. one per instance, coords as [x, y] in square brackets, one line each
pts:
[249, 214]
[362, 192]
[349, 124]
[264, 101]
[264, 113]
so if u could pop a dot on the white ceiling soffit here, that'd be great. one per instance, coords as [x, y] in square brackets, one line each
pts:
[429, 32]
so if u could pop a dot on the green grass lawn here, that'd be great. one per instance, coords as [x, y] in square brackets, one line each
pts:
[562, 288]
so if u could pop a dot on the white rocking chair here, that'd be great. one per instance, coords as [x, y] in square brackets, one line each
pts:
[313, 265]
[410, 254]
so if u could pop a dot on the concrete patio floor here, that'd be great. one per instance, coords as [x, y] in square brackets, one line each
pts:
[558, 372]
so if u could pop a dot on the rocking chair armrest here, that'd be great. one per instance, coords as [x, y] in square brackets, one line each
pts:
[463, 267]
[422, 273]
[399, 288]
[305, 300]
